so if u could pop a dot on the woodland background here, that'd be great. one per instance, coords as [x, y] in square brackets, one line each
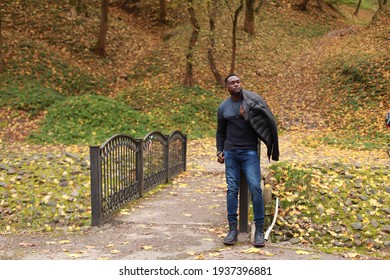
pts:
[74, 73]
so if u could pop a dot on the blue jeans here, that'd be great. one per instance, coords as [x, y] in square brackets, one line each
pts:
[248, 161]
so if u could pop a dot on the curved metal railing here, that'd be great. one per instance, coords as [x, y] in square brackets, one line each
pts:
[123, 168]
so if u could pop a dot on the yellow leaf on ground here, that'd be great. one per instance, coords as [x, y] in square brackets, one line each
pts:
[125, 212]
[330, 211]
[214, 254]
[207, 239]
[257, 250]
[301, 252]
[74, 256]
[115, 251]
[251, 250]
[64, 242]
[147, 247]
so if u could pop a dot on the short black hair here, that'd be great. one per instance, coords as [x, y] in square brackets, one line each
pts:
[230, 75]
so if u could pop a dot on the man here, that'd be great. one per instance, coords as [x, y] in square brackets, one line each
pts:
[242, 120]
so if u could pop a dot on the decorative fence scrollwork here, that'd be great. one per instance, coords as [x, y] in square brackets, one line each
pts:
[123, 168]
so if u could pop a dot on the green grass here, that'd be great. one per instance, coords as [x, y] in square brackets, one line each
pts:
[90, 119]
[190, 110]
[366, 4]
[30, 96]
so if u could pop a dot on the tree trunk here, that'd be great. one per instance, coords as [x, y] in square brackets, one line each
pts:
[319, 5]
[188, 82]
[163, 11]
[234, 36]
[259, 5]
[100, 47]
[380, 4]
[210, 53]
[1, 46]
[357, 8]
[303, 6]
[249, 22]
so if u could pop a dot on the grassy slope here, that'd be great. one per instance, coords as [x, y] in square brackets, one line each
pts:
[47, 47]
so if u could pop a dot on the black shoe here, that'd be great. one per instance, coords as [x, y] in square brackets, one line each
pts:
[232, 235]
[259, 236]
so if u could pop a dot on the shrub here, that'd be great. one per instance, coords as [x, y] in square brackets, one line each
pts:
[31, 97]
[90, 119]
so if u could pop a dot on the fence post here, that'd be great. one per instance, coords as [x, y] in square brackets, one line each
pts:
[166, 157]
[96, 195]
[140, 166]
[184, 155]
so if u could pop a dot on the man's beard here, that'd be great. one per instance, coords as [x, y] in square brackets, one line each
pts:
[236, 93]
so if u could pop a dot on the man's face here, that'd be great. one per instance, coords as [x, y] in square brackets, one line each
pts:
[233, 85]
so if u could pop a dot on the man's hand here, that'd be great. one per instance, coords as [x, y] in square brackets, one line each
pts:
[221, 157]
[242, 111]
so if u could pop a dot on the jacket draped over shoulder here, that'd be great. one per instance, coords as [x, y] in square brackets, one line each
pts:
[262, 121]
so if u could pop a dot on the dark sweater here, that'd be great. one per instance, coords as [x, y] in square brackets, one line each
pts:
[233, 131]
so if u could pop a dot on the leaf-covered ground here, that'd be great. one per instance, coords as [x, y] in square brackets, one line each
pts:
[333, 178]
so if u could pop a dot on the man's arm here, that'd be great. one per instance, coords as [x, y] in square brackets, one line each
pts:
[221, 132]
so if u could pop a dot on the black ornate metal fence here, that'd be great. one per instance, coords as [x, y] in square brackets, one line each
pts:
[123, 168]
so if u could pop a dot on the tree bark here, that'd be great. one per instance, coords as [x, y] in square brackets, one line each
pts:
[210, 53]
[234, 36]
[357, 8]
[163, 11]
[189, 80]
[380, 4]
[100, 47]
[249, 22]
[259, 5]
[303, 6]
[319, 5]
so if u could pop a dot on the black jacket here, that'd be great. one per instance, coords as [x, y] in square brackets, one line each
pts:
[262, 121]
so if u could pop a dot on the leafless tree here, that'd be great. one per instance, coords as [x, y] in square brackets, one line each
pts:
[100, 47]
[303, 5]
[380, 4]
[358, 7]
[210, 54]
[188, 82]
[249, 21]
[163, 11]
[234, 34]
